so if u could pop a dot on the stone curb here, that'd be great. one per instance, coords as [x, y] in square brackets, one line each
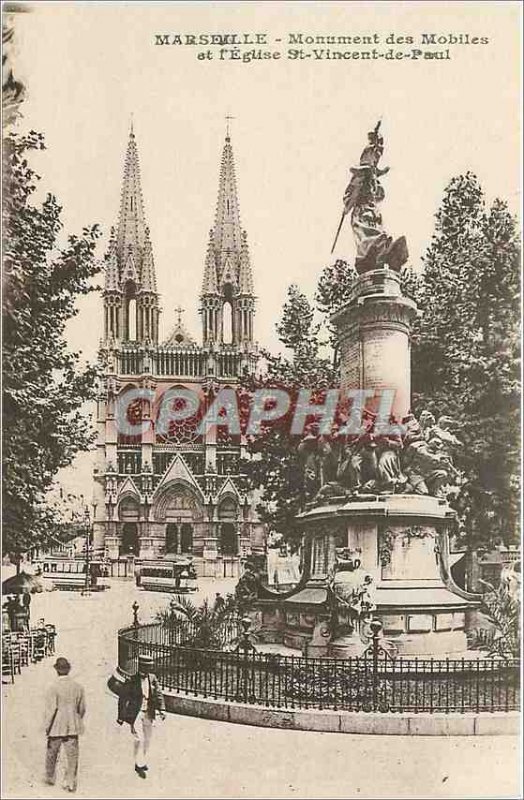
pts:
[329, 721]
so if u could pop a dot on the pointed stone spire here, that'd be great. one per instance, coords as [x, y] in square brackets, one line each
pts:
[148, 282]
[131, 222]
[209, 284]
[229, 268]
[227, 232]
[112, 283]
[227, 297]
[245, 276]
[130, 264]
[129, 272]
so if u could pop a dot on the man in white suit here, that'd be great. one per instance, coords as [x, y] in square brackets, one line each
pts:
[65, 708]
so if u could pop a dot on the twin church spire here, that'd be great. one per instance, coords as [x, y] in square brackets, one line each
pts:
[227, 296]
[131, 299]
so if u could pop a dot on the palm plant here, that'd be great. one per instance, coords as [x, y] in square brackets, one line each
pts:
[203, 626]
[502, 608]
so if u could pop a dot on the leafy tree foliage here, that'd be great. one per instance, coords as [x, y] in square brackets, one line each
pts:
[465, 356]
[273, 466]
[333, 291]
[44, 384]
[295, 328]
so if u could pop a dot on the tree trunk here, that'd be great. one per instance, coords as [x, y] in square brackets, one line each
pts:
[472, 572]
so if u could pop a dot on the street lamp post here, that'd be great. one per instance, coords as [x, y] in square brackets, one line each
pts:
[87, 522]
[89, 528]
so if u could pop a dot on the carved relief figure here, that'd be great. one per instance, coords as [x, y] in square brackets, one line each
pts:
[357, 468]
[318, 462]
[389, 471]
[246, 590]
[352, 592]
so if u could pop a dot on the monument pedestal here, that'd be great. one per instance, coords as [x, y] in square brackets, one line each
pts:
[350, 646]
[402, 542]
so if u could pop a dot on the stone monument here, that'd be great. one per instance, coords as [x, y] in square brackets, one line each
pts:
[387, 509]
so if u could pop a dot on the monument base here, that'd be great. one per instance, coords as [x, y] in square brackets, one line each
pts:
[350, 646]
[402, 543]
[422, 617]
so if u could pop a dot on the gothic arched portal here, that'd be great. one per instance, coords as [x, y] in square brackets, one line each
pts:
[180, 509]
[186, 537]
[128, 515]
[130, 542]
[228, 539]
[171, 538]
[227, 514]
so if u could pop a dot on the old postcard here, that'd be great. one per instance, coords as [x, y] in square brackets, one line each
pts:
[261, 399]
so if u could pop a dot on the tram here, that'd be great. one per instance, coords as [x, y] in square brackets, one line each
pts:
[69, 574]
[166, 575]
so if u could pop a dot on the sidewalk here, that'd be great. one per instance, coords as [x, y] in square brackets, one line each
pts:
[194, 758]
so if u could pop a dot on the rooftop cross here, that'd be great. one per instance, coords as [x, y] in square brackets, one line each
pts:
[179, 310]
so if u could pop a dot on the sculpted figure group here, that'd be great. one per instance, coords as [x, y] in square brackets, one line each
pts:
[416, 460]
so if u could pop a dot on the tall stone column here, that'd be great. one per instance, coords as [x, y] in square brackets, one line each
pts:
[374, 338]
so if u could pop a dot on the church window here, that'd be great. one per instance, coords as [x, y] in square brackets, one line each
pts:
[131, 320]
[227, 323]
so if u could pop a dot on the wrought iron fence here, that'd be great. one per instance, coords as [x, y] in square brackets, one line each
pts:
[374, 682]
[180, 631]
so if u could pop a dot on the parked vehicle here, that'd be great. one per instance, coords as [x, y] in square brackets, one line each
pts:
[70, 574]
[166, 575]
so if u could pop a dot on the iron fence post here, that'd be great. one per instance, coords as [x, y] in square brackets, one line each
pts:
[245, 677]
[135, 608]
[245, 646]
[376, 627]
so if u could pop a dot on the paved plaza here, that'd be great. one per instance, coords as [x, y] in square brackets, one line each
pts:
[194, 758]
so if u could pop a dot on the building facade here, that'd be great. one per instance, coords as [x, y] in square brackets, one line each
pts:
[168, 488]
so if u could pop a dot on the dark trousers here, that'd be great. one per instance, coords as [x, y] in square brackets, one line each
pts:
[70, 743]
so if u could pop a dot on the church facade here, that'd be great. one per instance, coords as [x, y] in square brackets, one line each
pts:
[169, 489]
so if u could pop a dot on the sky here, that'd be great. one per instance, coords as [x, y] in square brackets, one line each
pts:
[298, 126]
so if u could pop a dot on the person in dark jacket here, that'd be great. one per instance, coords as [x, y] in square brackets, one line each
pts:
[139, 702]
[220, 603]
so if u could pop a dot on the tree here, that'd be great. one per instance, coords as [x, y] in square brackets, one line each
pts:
[465, 354]
[44, 385]
[333, 292]
[273, 466]
[295, 329]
